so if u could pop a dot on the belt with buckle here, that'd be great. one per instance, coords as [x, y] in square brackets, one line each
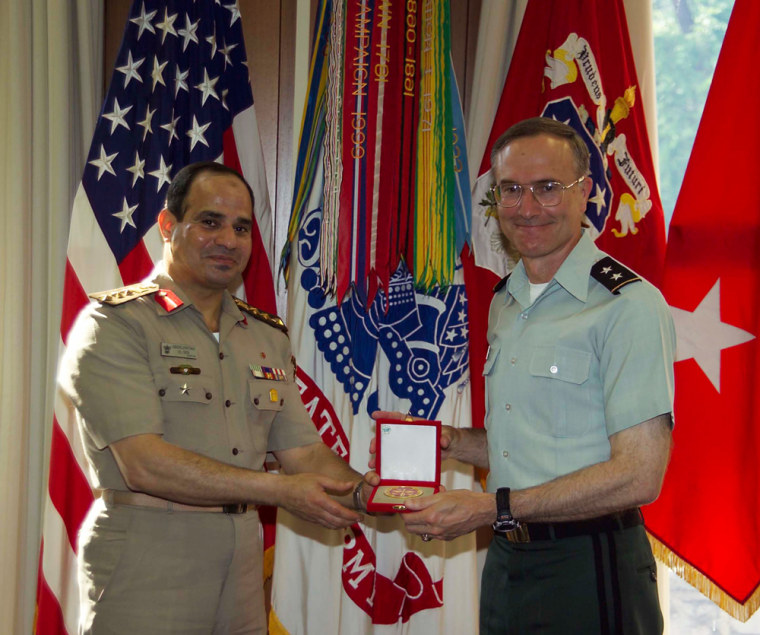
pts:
[139, 499]
[531, 532]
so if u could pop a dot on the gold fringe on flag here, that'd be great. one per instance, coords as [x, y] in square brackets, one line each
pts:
[275, 625]
[703, 584]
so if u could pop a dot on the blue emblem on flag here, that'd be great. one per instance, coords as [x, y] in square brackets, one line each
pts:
[422, 337]
[600, 200]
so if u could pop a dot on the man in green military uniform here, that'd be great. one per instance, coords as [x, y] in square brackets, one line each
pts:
[579, 382]
[180, 390]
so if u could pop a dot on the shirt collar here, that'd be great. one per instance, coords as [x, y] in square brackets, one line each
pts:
[164, 281]
[572, 274]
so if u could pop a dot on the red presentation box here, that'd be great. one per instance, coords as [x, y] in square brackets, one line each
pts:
[408, 460]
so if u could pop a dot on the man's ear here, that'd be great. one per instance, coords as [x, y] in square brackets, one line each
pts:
[166, 224]
[587, 184]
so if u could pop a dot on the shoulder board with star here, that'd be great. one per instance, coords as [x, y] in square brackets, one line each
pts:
[270, 319]
[124, 294]
[613, 275]
[500, 284]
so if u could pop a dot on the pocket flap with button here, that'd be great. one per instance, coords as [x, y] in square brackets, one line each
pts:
[266, 395]
[559, 362]
[184, 388]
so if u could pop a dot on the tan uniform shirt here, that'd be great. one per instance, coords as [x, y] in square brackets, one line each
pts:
[144, 366]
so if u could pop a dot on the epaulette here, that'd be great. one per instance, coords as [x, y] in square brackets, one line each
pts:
[613, 275]
[124, 294]
[270, 319]
[500, 284]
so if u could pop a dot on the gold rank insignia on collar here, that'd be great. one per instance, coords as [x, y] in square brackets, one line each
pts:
[124, 294]
[262, 316]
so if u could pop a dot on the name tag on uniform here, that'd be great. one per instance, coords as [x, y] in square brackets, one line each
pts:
[178, 350]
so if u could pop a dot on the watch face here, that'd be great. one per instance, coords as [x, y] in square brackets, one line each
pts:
[506, 524]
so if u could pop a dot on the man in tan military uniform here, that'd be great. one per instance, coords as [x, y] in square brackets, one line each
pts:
[180, 390]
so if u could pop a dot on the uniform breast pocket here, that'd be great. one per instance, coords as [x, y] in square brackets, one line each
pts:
[562, 396]
[185, 389]
[185, 402]
[266, 396]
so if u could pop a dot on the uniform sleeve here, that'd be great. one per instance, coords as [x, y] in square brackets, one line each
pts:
[106, 374]
[637, 359]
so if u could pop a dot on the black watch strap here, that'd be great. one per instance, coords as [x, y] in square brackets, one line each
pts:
[504, 519]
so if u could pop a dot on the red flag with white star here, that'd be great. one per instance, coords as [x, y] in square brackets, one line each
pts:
[708, 515]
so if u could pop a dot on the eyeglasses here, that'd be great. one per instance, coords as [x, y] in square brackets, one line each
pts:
[546, 193]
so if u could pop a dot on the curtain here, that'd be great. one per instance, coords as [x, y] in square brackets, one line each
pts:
[51, 73]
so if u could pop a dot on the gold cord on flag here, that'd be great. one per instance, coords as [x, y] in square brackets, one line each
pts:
[379, 119]
[328, 243]
[312, 133]
[435, 239]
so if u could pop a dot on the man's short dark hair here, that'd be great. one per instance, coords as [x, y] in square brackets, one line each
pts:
[543, 125]
[180, 185]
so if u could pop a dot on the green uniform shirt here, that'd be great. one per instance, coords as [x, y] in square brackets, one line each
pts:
[575, 367]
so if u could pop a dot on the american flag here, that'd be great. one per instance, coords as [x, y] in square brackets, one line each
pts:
[179, 93]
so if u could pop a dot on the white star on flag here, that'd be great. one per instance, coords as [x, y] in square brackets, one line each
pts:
[179, 80]
[226, 52]
[116, 116]
[145, 123]
[167, 26]
[702, 335]
[171, 128]
[143, 21]
[125, 215]
[162, 174]
[196, 133]
[234, 10]
[157, 72]
[188, 33]
[137, 169]
[207, 87]
[211, 39]
[130, 69]
[104, 162]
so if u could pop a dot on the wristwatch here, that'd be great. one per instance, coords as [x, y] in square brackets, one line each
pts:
[504, 520]
[357, 496]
